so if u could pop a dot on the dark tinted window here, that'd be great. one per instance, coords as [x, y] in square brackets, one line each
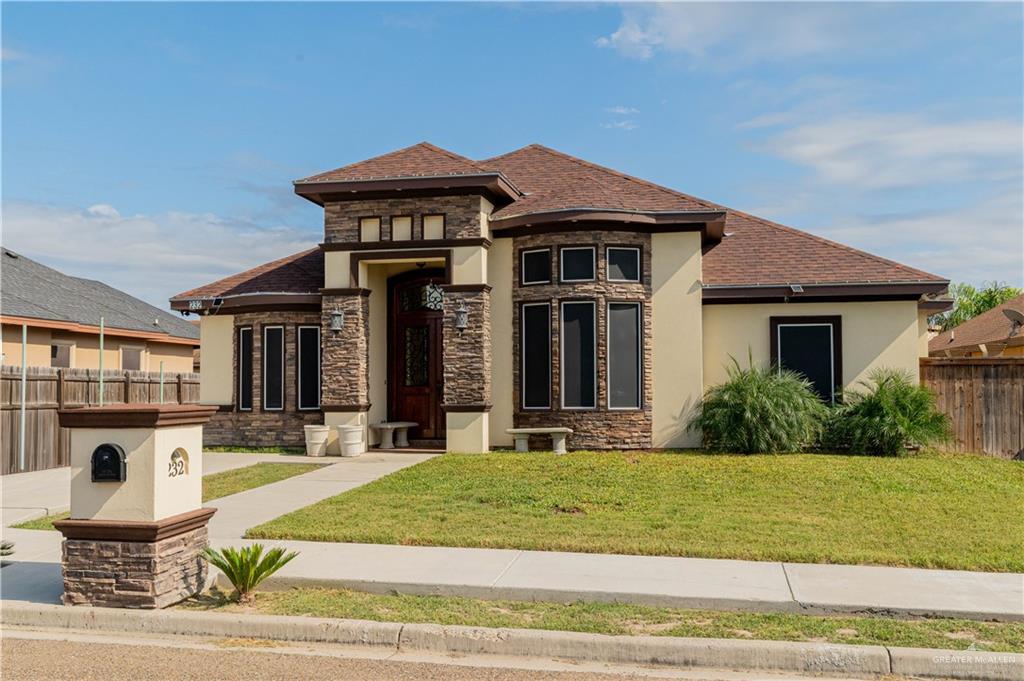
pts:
[577, 264]
[273, 367]
[536, 267]
[245, 368]
[807, 350]
[623, 355]
[535, 348]
[624, 264]
[578, 375]
[309, 367]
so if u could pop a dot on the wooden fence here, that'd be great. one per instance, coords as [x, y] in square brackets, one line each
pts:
[48, 390]
[984, 399]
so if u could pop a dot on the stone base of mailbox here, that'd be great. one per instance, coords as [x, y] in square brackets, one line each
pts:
[134, 564]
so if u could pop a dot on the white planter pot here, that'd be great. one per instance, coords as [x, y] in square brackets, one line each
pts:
[350, 438]
[316, 440]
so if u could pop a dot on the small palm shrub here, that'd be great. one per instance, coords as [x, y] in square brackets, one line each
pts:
[6, 548]
[760, 410]
[245, 568]
[890, 414]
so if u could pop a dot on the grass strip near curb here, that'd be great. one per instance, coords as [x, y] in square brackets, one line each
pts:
[215, 486]
[805, 508]
[621, 619]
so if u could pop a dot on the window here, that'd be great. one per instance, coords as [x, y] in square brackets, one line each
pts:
[535, 350]
[369, 229]
[577, 263]
[60, 355]
[579, 360]
[273, 368]
[245, 369]
[309, 367]
[535, 267]
[624, 358]
[401, 228]
[433, 226]
[131, 358]
[623, 263]
[810, 346]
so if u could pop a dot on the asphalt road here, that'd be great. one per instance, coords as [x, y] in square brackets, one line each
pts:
[49, 656]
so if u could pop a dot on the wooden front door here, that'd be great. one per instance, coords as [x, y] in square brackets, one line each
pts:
[415, 370]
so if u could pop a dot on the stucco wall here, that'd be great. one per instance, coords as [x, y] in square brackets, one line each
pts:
[499, 275]
[875, 334]
[216, 352]
[677, 330]
[37, 349]
[85, 353]
[176, 358]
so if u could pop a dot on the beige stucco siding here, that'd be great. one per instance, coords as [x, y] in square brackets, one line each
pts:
[216, 352]
[469, 265]
[176, 358]
[677, 355]
[37, 349]
[499, 265]
[337, 268]
[875, 334]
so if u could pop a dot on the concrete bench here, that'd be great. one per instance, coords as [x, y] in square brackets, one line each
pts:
[522, 437]
[400, 430]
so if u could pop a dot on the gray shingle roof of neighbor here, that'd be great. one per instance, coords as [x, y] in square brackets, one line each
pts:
[31, 289]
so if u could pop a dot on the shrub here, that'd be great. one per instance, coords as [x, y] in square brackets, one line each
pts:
[245, 568]
[6, 548]
[889, 415]
[760, 410]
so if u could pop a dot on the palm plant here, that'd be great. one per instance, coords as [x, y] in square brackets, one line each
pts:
[760, 410]
[245, 568]
[6, 548]
[890, 414]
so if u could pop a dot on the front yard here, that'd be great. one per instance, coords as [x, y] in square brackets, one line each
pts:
[934, 511]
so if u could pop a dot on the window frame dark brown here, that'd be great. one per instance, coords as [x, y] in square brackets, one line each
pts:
[298, 367]
[380, 228]
[412, 228]
[238, 367]
[835, 321]
[423, 225]
[263, 366]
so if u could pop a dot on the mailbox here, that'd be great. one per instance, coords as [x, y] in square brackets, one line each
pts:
[108, 463]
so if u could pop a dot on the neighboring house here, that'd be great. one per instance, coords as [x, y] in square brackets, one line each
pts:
[535, 289]
[994, 333]
[63, 314]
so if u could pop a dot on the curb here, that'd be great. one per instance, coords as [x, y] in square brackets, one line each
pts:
[815, 658]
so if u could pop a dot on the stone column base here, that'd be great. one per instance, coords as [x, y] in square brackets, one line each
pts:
[134, 564]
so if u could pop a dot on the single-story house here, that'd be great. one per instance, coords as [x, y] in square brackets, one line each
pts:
[535, 289]
[995, 333]
[62, 319]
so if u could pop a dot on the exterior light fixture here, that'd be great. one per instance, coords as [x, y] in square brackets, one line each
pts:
[461, 316]
[337, 320]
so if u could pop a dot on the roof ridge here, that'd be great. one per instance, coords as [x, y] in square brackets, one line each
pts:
[448, 153]
[422, 145]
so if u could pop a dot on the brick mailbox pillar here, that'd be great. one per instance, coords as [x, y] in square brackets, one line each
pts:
[137, 527]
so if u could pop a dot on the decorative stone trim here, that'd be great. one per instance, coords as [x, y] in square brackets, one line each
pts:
[466, 408]
[134, 530]
[345, 407]
[462, 218]
[467, 354]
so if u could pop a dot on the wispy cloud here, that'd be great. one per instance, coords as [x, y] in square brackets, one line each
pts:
[620, 125]
[149, 256]
[622, 110]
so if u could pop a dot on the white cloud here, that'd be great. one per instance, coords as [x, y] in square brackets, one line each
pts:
[882, 151]
[151, 257]
[622, 110]
[620, 125]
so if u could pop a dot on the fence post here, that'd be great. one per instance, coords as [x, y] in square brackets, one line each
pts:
[180, 390]
[127, 387]
[60, 388]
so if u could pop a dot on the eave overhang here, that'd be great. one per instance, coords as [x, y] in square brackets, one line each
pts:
[711, 224]
[247, 302]
[76, 327]
[797, 292]
[495, 185]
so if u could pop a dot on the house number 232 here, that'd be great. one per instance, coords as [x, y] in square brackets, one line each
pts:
[176, 466]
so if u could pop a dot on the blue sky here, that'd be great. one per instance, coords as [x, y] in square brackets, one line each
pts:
[154, 145]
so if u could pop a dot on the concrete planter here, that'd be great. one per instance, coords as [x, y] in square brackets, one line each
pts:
[350, 439]
[316, 440]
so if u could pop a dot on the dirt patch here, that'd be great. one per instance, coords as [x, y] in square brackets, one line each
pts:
[569, 510]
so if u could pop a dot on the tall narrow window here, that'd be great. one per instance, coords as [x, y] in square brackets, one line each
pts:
[810, 346]
[535, 350]
[577, 263]
[624, 356]
[309, 367]
[245, 368]
[273, 368]
[578, 358]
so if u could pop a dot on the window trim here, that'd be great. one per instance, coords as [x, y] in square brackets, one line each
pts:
[639, 263]
[423, 226]
[561, 353]
[263, 368]
[522, 356]
[298, 367]
[70, 345]
[238, 367]
[561, 263]
[639, 355]
[380, 228]
[391, 227]
[833, 321]
[143, 357]
[522, 266]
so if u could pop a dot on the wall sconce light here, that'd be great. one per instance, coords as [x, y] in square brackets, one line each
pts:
[337, 320]
[461, 317]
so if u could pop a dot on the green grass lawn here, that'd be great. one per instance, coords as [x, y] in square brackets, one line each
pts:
[606, 618]
[928, 510]
[215, 486]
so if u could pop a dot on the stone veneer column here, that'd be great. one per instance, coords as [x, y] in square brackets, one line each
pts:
[346, 359]
[467, 368]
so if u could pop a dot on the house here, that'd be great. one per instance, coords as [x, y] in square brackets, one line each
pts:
[995, 333]
[62, 319]
[535, 289]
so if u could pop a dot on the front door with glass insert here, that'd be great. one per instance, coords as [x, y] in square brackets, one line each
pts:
[415, 371]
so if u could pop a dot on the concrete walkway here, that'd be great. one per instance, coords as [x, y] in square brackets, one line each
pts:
[503, 573]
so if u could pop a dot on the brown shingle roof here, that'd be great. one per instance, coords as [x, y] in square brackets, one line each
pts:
[419, 160]
[298, 273]
[989, 327]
